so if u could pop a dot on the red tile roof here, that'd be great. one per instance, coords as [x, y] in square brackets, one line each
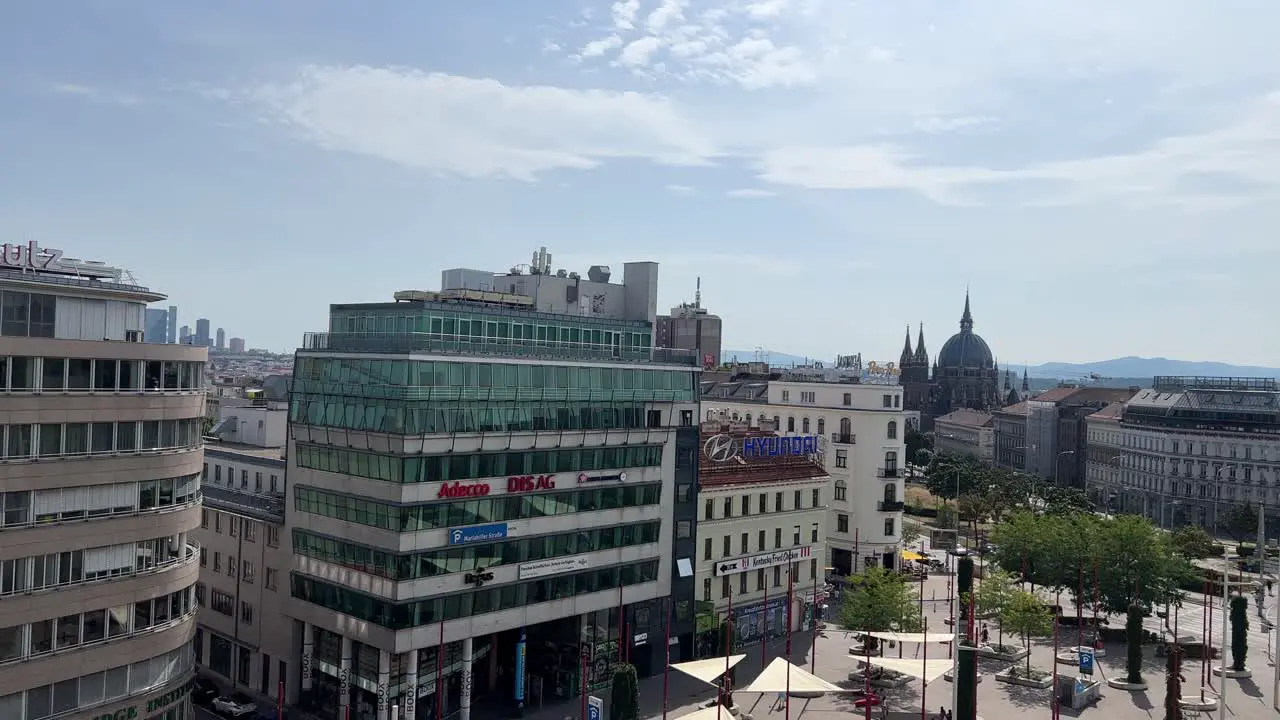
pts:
[1114, 411]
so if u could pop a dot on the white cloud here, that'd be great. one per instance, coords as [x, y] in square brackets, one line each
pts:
[767, 8]
[669, 12]
[477, 127]
[97, 95]
[624, 14]
[549, 47]
[596, 48]
[638, 53]
[681, 189]
[750, 193]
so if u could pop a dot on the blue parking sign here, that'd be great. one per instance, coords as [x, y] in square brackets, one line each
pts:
[595, 708]
[1086, 660]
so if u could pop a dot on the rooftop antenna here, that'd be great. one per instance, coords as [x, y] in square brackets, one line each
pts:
[697, 295]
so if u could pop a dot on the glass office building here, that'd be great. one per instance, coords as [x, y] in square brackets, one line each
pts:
[491, 490]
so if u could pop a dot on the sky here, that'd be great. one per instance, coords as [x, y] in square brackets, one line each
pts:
[1103, 177]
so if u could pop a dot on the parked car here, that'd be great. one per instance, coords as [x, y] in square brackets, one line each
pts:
[236, 706]
[203, 691]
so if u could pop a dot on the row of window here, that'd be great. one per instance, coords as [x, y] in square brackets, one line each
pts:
[20, 373]
[468, 466]
[245, 571]
[94, 689]
[460, 327]
[258, 487]
[413, 566]
[744, 503]
[76, 629]
[25, 314]
[503, 508]
[430, 417]
[342, 376]
[28, 507]
[401, 616]
[74, 439]
[744, 545]
[726, 581]
[842, 525]
[40, 572]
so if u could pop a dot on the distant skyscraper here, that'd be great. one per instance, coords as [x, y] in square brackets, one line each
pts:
[155, 325]
[171, 334]
[184, 335]
[202, 332]
[237, 345]
[222, 339]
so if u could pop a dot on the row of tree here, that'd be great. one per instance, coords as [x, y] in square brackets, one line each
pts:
[983, 492]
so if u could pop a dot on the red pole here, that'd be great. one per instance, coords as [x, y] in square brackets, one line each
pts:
[764, 642]
[813, 616]
[1079, 609]
[621, 623]
[854, 565]
[1097, 632]
[1204, 636]
[440, 675]
[280, 702]
[951, 600]
[866, 673]
[1053, 711]
[728, 643]
[924, 651]
[583, 684]
[1208, 637]
[666, 665]
[790, 590]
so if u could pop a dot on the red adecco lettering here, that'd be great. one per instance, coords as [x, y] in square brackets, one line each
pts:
[530, 483]
[458, 490]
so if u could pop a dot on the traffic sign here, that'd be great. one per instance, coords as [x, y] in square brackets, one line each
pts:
[1086, 660]
[595, 708]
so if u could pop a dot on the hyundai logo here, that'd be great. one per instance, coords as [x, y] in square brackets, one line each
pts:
[720, 448]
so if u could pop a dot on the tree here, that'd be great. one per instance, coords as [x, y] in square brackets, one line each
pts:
[993, 595]
[972, 508]
[880, 601]
[910, 533]
[1064, 500]
[1239, 522]
[1133, 647]
[1137, 563]
[1026, 616]
[947, 473]
[624, 699]
[1191, 542]
[1239, 632]
[917, 442]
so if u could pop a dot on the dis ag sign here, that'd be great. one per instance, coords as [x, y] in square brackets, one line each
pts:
[530, 483]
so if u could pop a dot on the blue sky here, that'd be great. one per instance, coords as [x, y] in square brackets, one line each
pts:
[1103, 176]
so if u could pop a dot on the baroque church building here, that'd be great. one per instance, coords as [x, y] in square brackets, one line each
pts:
[963, 375]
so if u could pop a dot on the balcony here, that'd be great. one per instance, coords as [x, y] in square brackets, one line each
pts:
[886, 506]
[408, 342]
[844, 438]
[887, 473]
[269, 508]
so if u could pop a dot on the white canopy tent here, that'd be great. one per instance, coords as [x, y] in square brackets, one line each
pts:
[709, 670]
[913, 637]
[774, 679]
[709, 713]
[927, 670]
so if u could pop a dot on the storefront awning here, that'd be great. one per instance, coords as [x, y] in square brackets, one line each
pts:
[709, 670]
[911, 555]
[782, 676]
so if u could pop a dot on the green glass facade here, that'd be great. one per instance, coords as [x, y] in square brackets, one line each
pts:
[468, 466]
[401, 616]
[444, 561]
[501, 508]
[448, 328]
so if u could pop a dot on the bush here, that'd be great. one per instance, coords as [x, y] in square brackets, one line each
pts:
[1245, 550]
[1217, 550]
[624, 699]
[1239, 631]
[1133, 631]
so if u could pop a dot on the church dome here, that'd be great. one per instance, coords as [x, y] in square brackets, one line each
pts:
[966, 349]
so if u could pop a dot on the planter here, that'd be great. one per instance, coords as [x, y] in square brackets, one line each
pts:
[947, 676]
[1003, 653]
[883, 680]
[1119, 684]
[1071, 656]
[1008, 676]
[1193, 702]
[1246, 673]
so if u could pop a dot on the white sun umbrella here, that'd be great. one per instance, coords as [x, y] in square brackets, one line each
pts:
[709, 670]
[774, 680]
[710, 713]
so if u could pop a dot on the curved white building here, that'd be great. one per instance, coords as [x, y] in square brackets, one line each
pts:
[100, 459]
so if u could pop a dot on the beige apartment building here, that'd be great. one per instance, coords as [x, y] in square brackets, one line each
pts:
[100, 459]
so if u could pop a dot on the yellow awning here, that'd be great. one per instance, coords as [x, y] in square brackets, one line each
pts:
[909, 555]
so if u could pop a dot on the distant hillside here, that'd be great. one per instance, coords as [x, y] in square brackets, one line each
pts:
[1146, 368]
[776, 359]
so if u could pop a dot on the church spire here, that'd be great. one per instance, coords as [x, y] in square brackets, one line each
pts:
[922, 355]
[966, 320]
[1026, 386]
[907, 355]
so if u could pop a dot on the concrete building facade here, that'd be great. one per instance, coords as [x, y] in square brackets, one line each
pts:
[966, 432]
[100, 460]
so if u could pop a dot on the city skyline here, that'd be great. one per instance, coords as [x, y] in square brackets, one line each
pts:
[804, 158]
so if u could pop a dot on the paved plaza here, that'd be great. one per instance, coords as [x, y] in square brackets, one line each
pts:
[1247, 699]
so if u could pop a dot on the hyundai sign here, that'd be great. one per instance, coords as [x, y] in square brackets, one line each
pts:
[724, 447]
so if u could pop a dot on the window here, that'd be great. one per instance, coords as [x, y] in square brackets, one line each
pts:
[222, 603]
[742, 583]
[746, 504]
[813, 533]
[725, 587]
[813, 569]
[728, 507]
[760, 541]
[217, 562]
[273, 535]
[706, 589]
[795, 500]
[848, 399]
[706, 549]
[795, 535]
[246, 613]
[684, 530]
[760, 579]
[841, 490]
[777, 538]
[897, 401]
[764, 503]
[892, 430]
[745, 540]
[726, 550]
[842, 523]
[777, 575]
[887, 401]
[250, 531]
[204, 556]
[204, 519]
[272, 578]
[777, 502]
[822, 426]
[786, 396]
[888, 526]
[791, 423]
[708, 510]
[804, 426]
[842, 461]
[246, 571]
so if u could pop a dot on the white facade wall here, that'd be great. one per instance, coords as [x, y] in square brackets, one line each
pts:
[734, 533]
[961, 439]
[864, 427]
[1176, 477]
[244, 472]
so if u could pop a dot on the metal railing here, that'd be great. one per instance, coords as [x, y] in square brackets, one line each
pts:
[888, 472]
[191, 554]
[269, 506]
[407, 342]
[844, 438]
[887, 506]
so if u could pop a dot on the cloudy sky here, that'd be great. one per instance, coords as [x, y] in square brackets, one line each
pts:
[1102, 175]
